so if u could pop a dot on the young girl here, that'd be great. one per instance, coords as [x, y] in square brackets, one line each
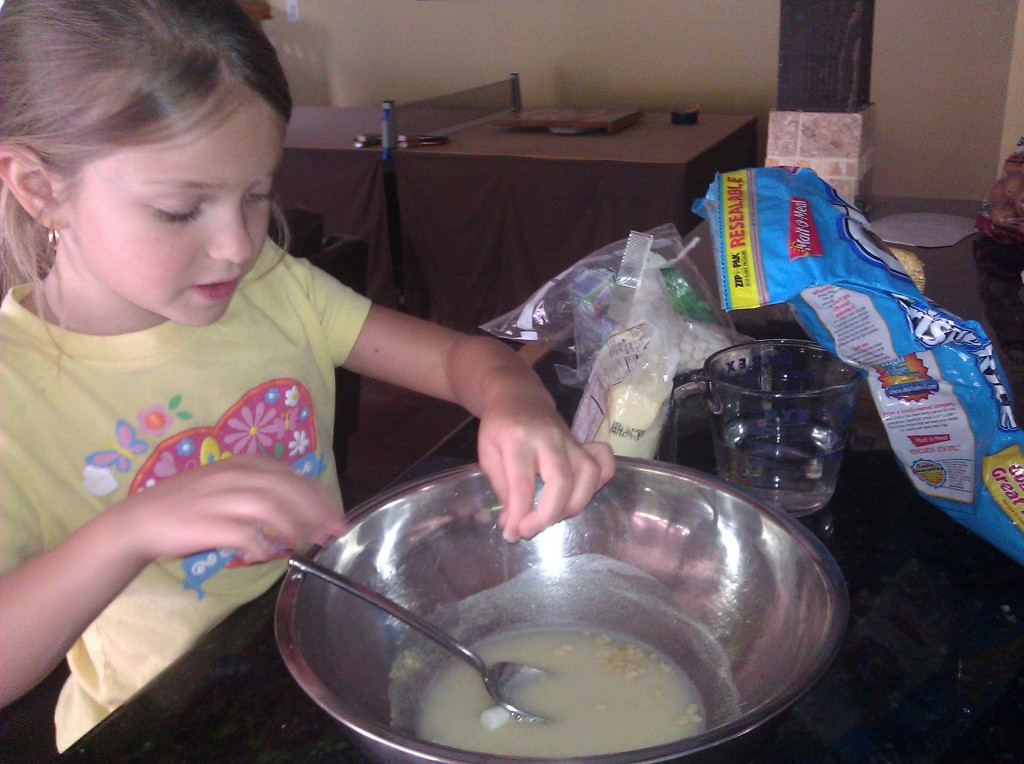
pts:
[150, 327]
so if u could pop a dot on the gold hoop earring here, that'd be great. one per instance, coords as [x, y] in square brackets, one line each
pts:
[52, 240]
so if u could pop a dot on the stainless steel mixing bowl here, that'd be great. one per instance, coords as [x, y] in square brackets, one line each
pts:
[745, 600]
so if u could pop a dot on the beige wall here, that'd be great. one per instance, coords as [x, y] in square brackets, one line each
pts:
[939, 78]
[1013, 120]
[946, 76]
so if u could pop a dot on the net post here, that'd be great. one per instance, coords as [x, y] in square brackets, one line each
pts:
[388, 133]
[516, 103]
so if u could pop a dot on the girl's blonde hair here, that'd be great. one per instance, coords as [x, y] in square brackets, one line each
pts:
[81, 78]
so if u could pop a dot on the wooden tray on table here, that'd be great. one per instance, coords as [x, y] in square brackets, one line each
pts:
[572, 121]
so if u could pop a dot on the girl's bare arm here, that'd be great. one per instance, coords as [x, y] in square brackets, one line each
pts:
[522, 435]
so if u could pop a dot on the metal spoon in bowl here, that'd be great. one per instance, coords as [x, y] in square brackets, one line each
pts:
[501, 679]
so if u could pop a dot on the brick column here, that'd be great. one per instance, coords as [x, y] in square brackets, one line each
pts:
[836, 145]
[823, 117]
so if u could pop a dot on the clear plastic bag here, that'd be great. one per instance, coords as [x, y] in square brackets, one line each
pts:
[1002, 212]
[631, 372]
[572, 311]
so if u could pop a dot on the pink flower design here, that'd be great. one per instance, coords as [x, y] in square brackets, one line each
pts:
[254, 429]
[155, 419]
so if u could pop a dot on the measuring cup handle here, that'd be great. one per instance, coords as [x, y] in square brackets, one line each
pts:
[684, 385]
[691, 383]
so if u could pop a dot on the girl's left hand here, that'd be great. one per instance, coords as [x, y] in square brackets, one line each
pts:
[525, 439]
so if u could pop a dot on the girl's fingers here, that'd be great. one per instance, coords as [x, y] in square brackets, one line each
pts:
[556, 491]
[604, 456]
[256, 505]
[571, 482]
[586, 481]
[491, 464]
[513, 456]
[521, 482]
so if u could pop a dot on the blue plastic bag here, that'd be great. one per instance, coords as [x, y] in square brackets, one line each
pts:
[784, 235]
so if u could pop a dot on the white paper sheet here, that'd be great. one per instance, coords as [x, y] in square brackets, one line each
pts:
[923, 229]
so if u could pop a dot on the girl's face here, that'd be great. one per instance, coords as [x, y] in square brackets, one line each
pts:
[165, 231]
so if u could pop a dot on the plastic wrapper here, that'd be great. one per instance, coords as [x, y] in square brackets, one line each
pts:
[784, 235]
[629, 387]
[1002, 212]
[572, 311]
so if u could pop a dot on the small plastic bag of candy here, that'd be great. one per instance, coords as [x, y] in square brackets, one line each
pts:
[1002, 213]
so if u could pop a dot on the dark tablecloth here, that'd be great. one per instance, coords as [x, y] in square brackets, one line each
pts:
[325, 173]
[492, 215]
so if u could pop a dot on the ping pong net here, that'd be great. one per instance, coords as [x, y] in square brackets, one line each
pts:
[448, 113]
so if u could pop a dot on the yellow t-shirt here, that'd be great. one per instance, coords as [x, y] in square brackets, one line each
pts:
[85, 420]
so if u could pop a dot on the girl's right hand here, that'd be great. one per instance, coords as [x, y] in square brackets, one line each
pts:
[244, 503]
[250, 503]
